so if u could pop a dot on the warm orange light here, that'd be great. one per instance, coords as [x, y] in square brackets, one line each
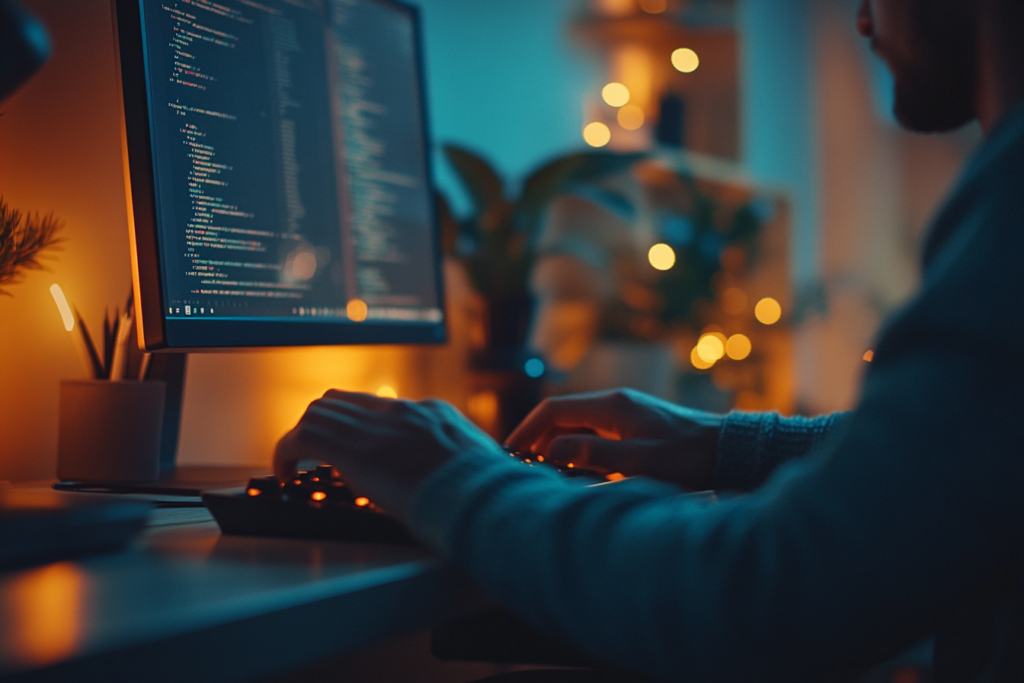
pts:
[768, 311]
[387, 392]
[357, 310]
[570, 466]
[685, 60]
[482, 408]
[254, 492]
[699, 362]
[362, 502]
[597, 134]
[44, 609]
[540, 458]
[615, 476]
[710, 348]
[615, 94]
[631, 117]
[738, 346]
[654, 6]
[662, 257]
[318, 496]
[869, 355]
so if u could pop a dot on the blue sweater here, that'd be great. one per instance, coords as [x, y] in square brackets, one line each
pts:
[847, 538]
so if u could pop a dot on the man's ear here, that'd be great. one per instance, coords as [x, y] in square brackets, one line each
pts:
[24, 46]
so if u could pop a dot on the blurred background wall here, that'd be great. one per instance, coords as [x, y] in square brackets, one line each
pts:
[800, 101]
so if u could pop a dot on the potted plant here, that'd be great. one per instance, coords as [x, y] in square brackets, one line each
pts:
[498, 244]
[498, 241]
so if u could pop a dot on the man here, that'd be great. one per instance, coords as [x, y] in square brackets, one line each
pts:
[901, 520]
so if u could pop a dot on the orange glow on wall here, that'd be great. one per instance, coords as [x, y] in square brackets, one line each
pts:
[632, 66]
[47, 611]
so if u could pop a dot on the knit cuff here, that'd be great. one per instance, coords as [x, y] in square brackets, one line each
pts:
[751, 446]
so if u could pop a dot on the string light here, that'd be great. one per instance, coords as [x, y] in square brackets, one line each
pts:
[615, 94]
[597, 134]
[738, 347]
[685, 60]
[699, 362]
[768, 311]
[710, 348]
[662, 257]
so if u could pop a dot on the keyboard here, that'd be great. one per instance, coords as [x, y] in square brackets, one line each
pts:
[318, 504]
[314, 504]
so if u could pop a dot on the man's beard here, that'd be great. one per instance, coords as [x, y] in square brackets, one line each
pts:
[937, 93]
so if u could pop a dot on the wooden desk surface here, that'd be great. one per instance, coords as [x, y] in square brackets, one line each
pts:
[186, 603]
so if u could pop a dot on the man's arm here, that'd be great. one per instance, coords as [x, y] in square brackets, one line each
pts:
[835, 563]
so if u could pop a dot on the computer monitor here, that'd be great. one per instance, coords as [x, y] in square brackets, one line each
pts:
[278, 173]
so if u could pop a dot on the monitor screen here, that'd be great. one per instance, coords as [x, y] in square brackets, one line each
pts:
[278, 173]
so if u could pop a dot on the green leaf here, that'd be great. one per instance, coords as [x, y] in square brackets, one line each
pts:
[482, 182]
[554, 178]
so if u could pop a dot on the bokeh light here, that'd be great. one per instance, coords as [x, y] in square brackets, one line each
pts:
[768, 311]
[597, 134]
[699, 362]
[869, 355]
[387, 391]
[615, 94]
[631, 117]
[357, 310]
[738, 346]
[710, 348]
[534, 368]
[662, 257]
[686, 60]
[654, 6]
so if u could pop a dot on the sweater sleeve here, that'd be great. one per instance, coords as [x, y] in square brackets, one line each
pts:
[910, 519]
[752, 445]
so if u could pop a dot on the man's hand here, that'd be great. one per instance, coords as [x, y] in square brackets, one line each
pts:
[624, 431]
[384, 448]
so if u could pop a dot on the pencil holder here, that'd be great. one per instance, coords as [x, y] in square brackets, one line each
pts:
[110, 431]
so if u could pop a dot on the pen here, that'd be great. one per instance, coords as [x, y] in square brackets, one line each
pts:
[119, 360]
[86, 355]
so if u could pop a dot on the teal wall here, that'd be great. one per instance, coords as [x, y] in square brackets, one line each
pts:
[504, 79]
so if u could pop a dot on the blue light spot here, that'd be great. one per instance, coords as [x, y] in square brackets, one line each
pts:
[534, 367]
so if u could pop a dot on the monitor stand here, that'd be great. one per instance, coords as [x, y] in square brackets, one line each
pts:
[175, 481]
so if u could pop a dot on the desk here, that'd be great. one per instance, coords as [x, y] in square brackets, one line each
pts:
[188, 604]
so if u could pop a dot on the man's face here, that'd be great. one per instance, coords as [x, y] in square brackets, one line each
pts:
[931, 49]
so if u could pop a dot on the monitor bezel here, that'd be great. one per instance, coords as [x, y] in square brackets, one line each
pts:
[156, 331]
